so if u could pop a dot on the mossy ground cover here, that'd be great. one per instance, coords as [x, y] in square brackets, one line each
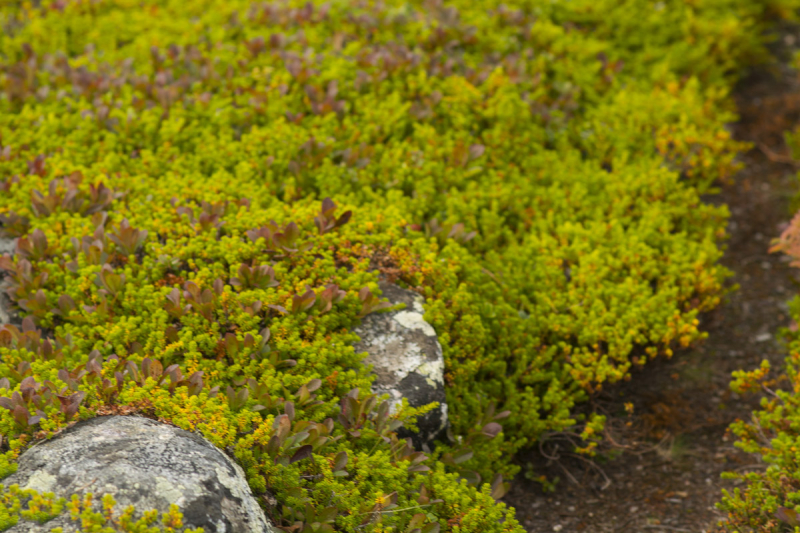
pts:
[534, 169]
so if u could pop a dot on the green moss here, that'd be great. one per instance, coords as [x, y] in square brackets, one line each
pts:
[530, 168]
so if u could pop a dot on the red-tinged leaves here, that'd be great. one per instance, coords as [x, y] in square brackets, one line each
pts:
[303, 452]
[202, 301]
[23, 369]
[156, 370]
[21, 415]
[433, 527]
[492, 429]
[218, 286]
[34, 247]
[131, 370]
[65, 305]
[787, 515]
[258, 277]
[13, 225]
[416, 521]
[110, 281]
[7, 263]
[236, 399]
[326, 219]
[303, 302]
[289, 410]
[231, 346]
[279, 308]
[283, 425]
[36, 305]
[37, 166]
[499, 488]
[458, 233]
[370, 303]
[287, 239]
[273, 446]
[194, 384]
[70, 404]
[173, 304]
[313, 385]
[328, 297]
[65, 195]
[476, 151]
[340, 462]
[128, 239]
[29, 383]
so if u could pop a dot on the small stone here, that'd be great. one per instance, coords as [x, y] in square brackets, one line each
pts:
[407, 360]
[7, 246]
[763, 337]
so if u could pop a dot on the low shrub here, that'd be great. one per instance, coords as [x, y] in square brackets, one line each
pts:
[206, 194]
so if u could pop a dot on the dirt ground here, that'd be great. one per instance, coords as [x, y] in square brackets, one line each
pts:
[672, 450]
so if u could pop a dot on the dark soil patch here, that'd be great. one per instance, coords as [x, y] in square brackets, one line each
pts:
[671, 451]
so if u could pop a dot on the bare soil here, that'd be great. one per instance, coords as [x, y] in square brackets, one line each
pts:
[670, 452]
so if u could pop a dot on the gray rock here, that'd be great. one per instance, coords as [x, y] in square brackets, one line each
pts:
[7, 246]
[407, 361]
[143, 463]
[7, 313]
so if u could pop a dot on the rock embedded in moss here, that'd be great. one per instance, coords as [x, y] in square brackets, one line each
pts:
[7, 245]
[146, 464]
[407, 360]
[7, 313]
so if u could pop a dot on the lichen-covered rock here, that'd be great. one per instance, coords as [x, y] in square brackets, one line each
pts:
[143, 463]
[407, 360]
[7, 313]
[7, 245]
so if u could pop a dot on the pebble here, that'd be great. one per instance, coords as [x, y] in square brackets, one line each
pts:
[763, 337]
